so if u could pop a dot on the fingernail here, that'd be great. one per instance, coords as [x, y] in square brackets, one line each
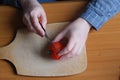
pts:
[59, 54]
[62, 58]
[69, 56]
[40, 34]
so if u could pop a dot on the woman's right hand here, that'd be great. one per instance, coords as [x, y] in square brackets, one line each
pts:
[34, 14]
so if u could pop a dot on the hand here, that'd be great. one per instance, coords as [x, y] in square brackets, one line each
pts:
[76, 33]
[33, 11]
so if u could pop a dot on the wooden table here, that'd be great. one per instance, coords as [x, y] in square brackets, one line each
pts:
[103, 46]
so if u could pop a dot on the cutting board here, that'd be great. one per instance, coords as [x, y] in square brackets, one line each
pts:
[28, 53]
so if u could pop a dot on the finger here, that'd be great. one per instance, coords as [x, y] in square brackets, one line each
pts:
[68, 48]
[36, 25]
[59, 37]
[73, 52]
[27, 22]
[67, 55]
[43, 20]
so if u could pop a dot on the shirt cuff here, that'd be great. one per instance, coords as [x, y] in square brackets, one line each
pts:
[93, 17]
[14, 3]
[17, 4]
[41, 1]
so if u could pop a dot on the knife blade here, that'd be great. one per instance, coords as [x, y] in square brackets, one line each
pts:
[46, 35]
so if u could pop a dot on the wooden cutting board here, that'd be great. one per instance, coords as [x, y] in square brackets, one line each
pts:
[28, 53]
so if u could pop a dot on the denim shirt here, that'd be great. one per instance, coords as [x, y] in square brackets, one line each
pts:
[96, 13]
[16, 3]
[100, 11]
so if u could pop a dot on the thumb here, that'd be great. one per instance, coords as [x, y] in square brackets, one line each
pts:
[59, 37]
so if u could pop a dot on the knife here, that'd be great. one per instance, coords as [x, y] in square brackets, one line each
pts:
[46, 35]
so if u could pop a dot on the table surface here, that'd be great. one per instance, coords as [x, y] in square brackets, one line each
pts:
[103, 46]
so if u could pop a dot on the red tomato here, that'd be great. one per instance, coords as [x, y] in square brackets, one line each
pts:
[55, 48]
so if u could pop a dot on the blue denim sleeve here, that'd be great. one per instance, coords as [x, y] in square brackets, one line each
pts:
[100, 11]
[45, 1]
[16, 3]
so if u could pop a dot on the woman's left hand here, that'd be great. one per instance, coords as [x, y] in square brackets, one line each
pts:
[76, 33]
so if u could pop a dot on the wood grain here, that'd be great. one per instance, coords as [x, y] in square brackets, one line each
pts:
[103, 46]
